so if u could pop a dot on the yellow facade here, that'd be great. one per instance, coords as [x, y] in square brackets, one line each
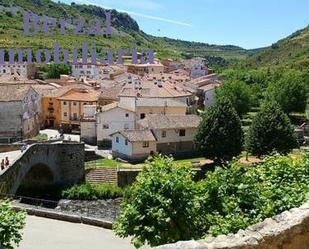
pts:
[51, 111]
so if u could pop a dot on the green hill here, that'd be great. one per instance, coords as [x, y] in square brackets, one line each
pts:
[126, 33]
[291, 52]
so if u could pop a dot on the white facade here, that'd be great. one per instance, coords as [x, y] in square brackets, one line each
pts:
[132, 151]
[20, 69]
[198, 70]
[89, 71]
[209, 98]
[113, 120]
[174, 135]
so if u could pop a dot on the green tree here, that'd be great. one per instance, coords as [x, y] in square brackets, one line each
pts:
[160, 207]
[11, 224]
[238, 93]
[53, 71]
[271, 130]
[219, 135]
[290, 92]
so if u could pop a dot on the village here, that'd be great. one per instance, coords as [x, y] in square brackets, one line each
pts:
[133, 110]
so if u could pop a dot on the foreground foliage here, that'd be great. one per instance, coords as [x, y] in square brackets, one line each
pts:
[161, 206]
[165, 205]
[90, 191]
[11, 225]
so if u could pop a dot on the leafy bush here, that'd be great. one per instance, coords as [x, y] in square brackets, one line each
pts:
[271, 130]
[165, 205]
[219, 135]
[11, 224]
[160, 207]
[91, 191]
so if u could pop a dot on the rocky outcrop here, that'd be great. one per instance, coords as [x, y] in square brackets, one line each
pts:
[289, 230]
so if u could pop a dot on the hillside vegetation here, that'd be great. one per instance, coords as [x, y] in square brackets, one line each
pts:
[126, 33]
[291, 52]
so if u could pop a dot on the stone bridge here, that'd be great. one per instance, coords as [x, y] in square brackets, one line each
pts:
[43, 166]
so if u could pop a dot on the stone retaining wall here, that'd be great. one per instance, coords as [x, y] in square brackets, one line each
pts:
[289, 230]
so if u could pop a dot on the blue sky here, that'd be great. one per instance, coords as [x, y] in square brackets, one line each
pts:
[247, 23]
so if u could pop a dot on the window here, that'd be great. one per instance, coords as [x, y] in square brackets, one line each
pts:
[182, 133]
[126, 142]
[145, 144]
[117, 139]
[74, 103]
[75, 116]
[64, 103]
[127, 115]
[142, 115]
[105, 126]
[65, 114]
[163, 133]
[126, 126]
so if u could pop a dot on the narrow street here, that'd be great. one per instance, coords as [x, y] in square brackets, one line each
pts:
[41, 233]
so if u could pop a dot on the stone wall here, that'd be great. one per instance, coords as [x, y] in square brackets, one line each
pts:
[64, 161]
[126, 177]
[289, 230]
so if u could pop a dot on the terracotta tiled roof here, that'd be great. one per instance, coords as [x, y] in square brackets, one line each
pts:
[110, 93]
[159, 102]
[160, 121]
[137, 135]
[87, 95]
[155, 89]
[13, 92]
[113, 105]
[210, 86]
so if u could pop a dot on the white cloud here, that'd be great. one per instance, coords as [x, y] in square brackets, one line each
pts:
[134, 13]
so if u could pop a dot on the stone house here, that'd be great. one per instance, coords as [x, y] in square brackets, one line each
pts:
[71, 106]
[157, 133]
[174, 133]
[196, 67]
[23, 70]
[20, 112]
[142, 69]
[133, 145]
[89, 71]
[88, 126]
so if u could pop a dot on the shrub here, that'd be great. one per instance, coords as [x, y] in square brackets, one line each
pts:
[271, 130]
[91, 191]
[11, 224]
[160, 206]
[219, 135]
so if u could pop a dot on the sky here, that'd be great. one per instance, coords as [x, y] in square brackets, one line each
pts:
[246, 23]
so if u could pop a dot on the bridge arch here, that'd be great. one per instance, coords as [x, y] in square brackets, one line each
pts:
[44, 165]
[37, 181]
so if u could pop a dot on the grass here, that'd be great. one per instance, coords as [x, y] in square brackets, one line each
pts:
[102, 163]
[40, 137]
[112, 164]
[91, 191]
